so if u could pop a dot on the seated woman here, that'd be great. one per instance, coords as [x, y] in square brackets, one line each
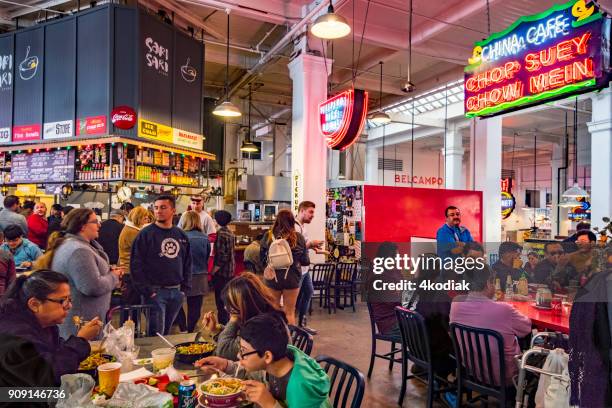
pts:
[244, 297]
[32, 354]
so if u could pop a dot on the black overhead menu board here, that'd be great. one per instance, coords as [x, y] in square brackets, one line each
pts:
[187, 109]
[55, 166]
[28, 109]
[7, 62]
[156, 67]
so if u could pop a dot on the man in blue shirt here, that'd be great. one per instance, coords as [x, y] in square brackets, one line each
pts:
[451, 237]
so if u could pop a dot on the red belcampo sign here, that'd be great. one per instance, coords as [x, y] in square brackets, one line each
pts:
[123, 117]
[341, 118]
[546, 56]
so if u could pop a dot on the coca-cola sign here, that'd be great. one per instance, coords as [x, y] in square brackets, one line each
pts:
[123, 117]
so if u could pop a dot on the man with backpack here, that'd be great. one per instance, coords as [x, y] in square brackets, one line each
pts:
[224, 263]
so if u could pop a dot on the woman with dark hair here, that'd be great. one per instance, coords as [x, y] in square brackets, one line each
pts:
[32, 354]
[244, 296]
[75, 253]
[285, 282]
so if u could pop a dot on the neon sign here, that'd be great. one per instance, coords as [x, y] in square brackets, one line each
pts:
[508, 202]
[560, 52]
[341, 118]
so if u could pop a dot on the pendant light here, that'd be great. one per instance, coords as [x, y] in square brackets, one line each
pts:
[330, 26]
[247, 145]
[574, 191]
[380, 117]
[227, 109]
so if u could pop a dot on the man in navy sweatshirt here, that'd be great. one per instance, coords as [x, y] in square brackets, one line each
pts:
[160, 265]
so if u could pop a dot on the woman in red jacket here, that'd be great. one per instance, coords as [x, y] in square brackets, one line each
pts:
[38, 225]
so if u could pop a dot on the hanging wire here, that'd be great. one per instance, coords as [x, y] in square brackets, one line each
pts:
[512, 160]
[380, 88]
[383, 151]
[576, 141]
[365, 21]
[488, 18]
[412, 146]
[445, 130]
[410, 45]
[227, 57]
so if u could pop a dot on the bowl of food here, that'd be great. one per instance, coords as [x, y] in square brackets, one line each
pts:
[192, 351]
[91, 363]
[221, 393]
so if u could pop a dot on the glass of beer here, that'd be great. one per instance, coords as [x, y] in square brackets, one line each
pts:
[162, 358]
[108, 377]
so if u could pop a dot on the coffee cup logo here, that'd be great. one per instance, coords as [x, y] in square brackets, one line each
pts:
[29, 66]
[188, 72]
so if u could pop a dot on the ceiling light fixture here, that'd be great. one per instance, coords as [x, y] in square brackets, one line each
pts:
[330, 26]
[247, 145]
[380, 117]
[575, 190]
[227, 109]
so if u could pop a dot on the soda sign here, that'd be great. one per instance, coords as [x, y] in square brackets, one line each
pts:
[123, 117]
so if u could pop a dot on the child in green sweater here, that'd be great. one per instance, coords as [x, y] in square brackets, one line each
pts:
[277, 374]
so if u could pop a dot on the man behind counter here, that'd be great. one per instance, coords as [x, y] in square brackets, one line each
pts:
[451, 237]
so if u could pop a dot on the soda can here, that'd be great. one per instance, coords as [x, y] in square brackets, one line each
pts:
[187, 396]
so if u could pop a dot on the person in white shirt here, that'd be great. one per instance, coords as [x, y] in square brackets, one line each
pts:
[306, 211]
[197, 205]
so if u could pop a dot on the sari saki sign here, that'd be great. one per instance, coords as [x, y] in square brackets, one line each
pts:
[560, 52]
[341, 118]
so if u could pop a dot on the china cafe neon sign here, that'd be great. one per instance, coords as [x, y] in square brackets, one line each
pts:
[341, 118]
[543, 57]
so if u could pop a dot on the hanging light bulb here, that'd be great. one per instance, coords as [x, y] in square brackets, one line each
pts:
[227, 109]
[380, 117]
[247, 145]
[330, 26]
[569, 202]
[574, 192]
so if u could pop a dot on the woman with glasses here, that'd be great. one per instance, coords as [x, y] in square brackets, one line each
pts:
[75, 253]
[32, 353]
[244, 297]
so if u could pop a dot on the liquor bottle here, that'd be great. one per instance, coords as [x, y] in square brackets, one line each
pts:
[498, 292]
[509, 288]
[523, 285]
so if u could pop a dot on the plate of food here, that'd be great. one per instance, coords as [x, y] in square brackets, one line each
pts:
[91, 363]
[163, 384]
[223, 392]
[192, 351]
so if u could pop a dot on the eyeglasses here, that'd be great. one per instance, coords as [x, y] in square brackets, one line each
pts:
[94, 222]
[556, 253]
[64, 302]
[242, 355]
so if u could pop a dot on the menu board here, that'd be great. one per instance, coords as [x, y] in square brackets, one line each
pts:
[55, 166]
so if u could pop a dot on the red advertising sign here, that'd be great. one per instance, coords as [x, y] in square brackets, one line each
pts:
[123, 117]
[341, 118]
[94, 125]
[26, 133]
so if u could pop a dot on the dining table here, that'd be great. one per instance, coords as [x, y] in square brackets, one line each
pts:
[544, 319]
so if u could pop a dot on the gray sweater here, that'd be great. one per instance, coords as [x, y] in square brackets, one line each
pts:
[91, 281]
[9, 217]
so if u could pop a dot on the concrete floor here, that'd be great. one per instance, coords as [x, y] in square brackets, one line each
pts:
[346, 336]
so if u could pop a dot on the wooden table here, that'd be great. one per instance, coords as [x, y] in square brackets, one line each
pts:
[544, 319]
[148, 344]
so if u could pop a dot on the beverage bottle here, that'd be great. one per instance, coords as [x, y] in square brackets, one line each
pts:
[509, 288]
[498, 292]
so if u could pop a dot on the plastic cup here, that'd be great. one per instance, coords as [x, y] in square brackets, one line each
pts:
[108, 377]
[162, 358]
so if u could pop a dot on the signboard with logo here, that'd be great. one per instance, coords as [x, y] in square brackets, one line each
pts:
[28, 97]
[341, 118]
[54, 166]
[187, 89]
[156, 68]
[155, 131]
[187, 139]
[581, 212]
[58, 130]
[426, 181]
[60, 79]
[95, 125]
[546, 56]
[123, 117]
[508, 202]
[7, 78]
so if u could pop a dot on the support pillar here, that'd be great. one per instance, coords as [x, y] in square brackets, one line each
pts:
[371, 165]
[600, 128]
[559, 222]
[487, 151]
[308, 148]
[454, 178]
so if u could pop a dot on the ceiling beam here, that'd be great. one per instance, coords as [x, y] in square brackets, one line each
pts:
[25, 9]
[269, 11]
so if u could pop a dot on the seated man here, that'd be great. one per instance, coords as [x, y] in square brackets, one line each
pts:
[477, 309]
[581, 264]
[278, 375]
[23, 250]
[509, 253]
[545, 269]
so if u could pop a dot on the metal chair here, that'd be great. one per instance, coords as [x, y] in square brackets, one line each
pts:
[344, 285]
[473, 347]
[139, 314]
[378, 336]
[347, 384]
[301, 339]
[322, 278]
[416, 348]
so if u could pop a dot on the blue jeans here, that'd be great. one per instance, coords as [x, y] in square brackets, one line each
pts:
[305, 296]
[166, 305]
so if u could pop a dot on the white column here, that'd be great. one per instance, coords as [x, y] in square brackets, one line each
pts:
[487, 175]
[308, 148]
[601, 154]
[454, 178]
[558, 161]
[333, 157]
[371, 165]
